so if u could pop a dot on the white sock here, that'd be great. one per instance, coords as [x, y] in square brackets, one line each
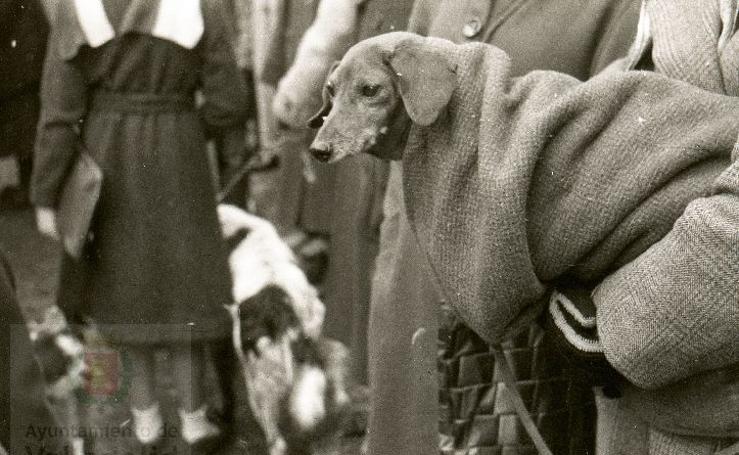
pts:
[196, 426]
[148, 424]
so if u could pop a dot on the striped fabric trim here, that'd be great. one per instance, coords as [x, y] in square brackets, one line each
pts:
[180, 21]
[574, 338]
[585, 321]
[94, 22]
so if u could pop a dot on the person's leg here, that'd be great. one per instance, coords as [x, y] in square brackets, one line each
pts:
[188, 371]
[402, 333]
[148, 423]
[225, 363]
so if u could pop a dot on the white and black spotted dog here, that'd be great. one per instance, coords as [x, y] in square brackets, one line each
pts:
[296, 379]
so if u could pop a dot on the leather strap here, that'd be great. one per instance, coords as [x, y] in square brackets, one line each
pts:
[255, 164]
[523, 414]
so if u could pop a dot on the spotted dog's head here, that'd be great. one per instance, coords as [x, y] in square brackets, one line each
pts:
[267, 314]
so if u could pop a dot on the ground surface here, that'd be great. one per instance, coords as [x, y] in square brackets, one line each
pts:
[35, 263]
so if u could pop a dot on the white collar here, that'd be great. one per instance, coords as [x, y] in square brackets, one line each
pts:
[179, 21]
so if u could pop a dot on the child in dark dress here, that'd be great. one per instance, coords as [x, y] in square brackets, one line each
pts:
[121, 76]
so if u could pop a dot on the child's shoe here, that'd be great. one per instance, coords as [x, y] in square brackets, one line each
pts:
[148, 426]
[199, 433]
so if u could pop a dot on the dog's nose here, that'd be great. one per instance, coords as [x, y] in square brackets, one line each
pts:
[321, 154]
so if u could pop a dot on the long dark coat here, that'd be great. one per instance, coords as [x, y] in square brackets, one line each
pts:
[156, 270]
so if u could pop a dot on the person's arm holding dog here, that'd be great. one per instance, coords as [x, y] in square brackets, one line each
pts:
[603, 128]
[471, 223]
[694, 267]
[698, 46]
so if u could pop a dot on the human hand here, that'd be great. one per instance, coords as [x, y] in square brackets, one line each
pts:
[46, 222]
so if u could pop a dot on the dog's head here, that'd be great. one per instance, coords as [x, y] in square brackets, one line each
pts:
[381, 87]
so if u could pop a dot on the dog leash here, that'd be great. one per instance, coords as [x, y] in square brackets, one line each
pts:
[524, 415]
[255, 164]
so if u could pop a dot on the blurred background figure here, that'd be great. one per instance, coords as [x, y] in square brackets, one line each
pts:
[295, 197]
[120, 78]
[333, 210]
[359, 184]
[23, 32]
[23, 412]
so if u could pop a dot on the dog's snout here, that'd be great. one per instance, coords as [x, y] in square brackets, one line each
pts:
[321, 153]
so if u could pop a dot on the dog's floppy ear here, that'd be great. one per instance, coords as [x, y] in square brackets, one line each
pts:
[426, 80]
[316, 121]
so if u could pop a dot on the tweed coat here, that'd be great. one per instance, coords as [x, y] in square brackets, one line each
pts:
[405, 306]
[697, 258]
[584, 223]
[705, 53]
[155, 271]
[695, 42]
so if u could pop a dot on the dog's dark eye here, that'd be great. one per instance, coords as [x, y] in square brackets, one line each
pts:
[370, 90]
[330, 89]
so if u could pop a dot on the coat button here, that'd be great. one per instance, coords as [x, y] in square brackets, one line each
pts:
[472, 28]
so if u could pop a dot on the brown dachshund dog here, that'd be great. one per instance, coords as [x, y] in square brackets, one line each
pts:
[379, 89]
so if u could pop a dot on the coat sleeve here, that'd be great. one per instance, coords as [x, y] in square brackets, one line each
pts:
[598, 156]
[618, 35]
[675, 333]
[63, 107]
[224, 88]
[690, 325]
[298, 94]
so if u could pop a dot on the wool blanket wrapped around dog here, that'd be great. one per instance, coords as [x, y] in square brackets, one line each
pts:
[528, 181]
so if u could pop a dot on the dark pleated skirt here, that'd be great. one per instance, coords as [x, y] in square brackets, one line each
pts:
[156, 269]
